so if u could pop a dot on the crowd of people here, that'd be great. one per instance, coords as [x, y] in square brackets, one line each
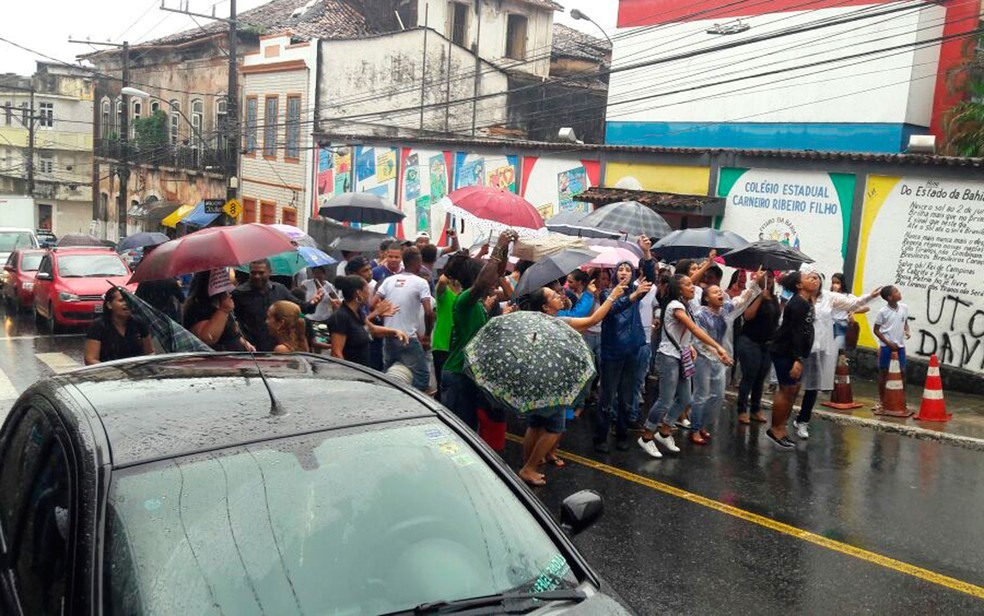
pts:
[412, 310]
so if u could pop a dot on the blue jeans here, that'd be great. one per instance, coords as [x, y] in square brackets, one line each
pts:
[461, 395]
[674, 393]
[643, 360]
[617, 382]
[755, 363]
[410, 355]
[709, 382]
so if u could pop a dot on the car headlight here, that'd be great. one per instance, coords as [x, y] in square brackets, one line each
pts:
[28, 286]
[68, 297]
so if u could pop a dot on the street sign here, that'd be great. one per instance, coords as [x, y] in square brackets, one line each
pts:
[233, 208]
[214, 206]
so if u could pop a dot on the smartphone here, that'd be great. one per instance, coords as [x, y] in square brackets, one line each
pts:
[334, 296]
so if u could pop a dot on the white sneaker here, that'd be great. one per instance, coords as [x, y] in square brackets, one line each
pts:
[802, 430]
[683, 423]
[667, 442]
[650, 447]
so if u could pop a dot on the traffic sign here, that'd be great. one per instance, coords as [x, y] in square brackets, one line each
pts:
[214, 206]
[233, 208]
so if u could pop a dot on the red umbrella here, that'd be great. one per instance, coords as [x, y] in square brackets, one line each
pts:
[495, 210]
[212, 247]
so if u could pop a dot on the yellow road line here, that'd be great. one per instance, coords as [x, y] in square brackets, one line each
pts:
[837, 546]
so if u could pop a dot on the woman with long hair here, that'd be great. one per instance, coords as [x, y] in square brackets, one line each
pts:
[759, 323]
[117, 334]
[544, 431]
[351, 330]
[210, 317]
[287, 327]
[675, 362]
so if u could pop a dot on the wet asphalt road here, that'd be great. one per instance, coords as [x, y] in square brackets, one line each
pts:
[912, 501]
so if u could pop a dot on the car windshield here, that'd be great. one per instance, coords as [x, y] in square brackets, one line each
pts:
[12, 240]
[364, 521]
[30, 262]
[86, 266]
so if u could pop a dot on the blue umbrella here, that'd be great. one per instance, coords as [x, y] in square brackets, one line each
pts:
[290, 262]
[141, 240]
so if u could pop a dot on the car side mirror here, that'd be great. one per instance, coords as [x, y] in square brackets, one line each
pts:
[580, 511]
[42, 276]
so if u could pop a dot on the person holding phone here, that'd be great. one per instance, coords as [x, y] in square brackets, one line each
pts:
[330, 300]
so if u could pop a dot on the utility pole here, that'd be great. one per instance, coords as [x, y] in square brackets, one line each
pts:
[478, 62]
[231, 129]
[122, 170]
[30, 145]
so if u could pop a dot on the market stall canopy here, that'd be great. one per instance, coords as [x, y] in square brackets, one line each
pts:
[172, 219]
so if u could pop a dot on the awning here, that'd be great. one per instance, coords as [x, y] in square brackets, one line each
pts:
[198, 217]
[172, 219]
[660, 202]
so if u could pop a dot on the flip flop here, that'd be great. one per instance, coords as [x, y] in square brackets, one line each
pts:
[534, 483]
[556, 462]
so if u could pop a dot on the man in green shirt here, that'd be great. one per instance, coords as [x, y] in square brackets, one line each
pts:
[458, 392]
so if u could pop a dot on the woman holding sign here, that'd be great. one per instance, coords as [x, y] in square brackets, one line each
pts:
[208, 312]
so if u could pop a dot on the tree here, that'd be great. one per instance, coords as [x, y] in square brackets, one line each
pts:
[151, 132]
[964, 124]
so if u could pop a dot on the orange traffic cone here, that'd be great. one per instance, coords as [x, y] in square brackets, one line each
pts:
[893, 399]
[933, 408]
[842, 399]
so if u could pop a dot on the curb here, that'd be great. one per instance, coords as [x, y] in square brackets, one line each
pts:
[967, 442]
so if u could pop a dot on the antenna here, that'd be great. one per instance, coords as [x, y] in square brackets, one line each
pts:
[275, 409]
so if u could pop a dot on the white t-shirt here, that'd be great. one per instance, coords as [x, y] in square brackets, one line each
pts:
[406, 291]
[673, 327]
[892, 323]
[324, 309]
[646, 305]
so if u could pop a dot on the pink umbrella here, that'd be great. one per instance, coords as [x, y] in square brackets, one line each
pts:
[493, 211]
[210, 248]
[610, 256]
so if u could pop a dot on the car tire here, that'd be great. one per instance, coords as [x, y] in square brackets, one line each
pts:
[53, 327]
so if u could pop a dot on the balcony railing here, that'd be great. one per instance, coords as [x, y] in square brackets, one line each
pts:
[202, 158]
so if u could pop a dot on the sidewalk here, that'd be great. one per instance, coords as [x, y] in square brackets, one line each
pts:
[965, 428]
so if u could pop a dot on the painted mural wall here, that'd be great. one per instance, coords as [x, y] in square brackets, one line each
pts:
[425, 180]
[807, 210]
[551, 184]
[926, 235]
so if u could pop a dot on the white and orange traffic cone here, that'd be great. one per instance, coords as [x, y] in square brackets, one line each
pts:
[933, 408]
[893, 397]
[843, 398]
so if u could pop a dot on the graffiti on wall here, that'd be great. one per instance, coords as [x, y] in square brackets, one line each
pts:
[806, 210]
[551, 184]
[926, 236]
[334, 174]
[425, 182]
[496, 171]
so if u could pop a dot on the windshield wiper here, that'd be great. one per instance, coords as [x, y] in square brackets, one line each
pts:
[511, 602]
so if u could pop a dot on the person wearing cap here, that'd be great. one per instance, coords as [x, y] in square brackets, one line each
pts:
[424, 239]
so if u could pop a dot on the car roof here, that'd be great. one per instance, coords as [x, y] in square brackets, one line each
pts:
[171, 405]
[18, 229]
[83, 250]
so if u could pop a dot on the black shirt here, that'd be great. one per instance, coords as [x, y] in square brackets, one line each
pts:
[251, 311]
[114, 346]
[229, 340]
[794, 339]
[346, 323]
[762, 328]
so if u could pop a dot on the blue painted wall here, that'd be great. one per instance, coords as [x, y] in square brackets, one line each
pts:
[881, 138]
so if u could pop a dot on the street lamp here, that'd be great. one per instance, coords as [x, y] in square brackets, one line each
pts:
[576, 14]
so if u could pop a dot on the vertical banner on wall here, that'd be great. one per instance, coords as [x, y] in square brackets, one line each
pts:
[551, 184]
[376, 172]
[926, 236]
[809, 211]
[424, 181]
[334, 174]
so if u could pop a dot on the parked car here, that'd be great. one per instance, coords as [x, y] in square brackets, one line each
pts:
[71, 282]
[46, 238]
[274, 484]
[18, 279]
[12, 238]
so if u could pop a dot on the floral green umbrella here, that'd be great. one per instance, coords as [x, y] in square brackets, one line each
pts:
[530, 362]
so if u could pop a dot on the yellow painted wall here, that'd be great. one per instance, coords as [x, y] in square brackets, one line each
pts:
[676, 179]
[16, 137]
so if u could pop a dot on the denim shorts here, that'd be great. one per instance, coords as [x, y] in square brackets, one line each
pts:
[783, 366]
[554, 423]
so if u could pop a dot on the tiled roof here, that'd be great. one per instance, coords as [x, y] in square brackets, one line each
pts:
[330, 19]
[571, 43]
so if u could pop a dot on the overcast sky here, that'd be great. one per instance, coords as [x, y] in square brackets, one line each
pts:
[142, 20]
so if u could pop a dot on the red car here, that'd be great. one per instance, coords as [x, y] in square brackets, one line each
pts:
[18, 278]
[70, 284]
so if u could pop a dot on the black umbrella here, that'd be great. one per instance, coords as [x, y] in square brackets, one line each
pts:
[81, 239]
[359, 241]
[364, 208]
[552, 268]
[142, 240]
[570, 223]
[695, 243]
[630, 218]
[768, 254]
